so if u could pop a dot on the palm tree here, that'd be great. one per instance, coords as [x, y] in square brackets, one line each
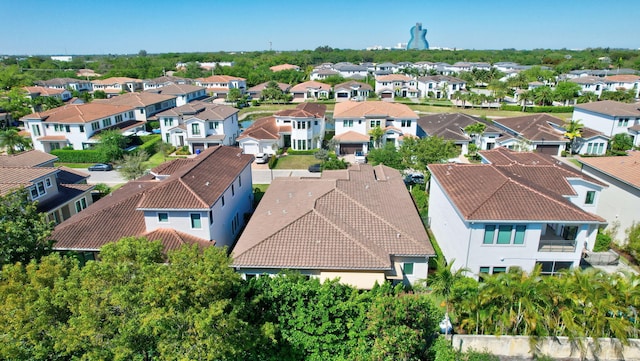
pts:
[444, 279]
[524, 97]
[377, 133]
[12, 141]
[573, 130]
[587, 97]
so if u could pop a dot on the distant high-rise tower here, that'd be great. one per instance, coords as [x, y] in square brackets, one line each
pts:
[418, 38]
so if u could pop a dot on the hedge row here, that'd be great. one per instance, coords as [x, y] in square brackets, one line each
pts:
[80, 156]
[537, 109]
[302, 152]
[149, 145]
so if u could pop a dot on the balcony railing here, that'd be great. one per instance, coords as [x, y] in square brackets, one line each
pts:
[556, 245]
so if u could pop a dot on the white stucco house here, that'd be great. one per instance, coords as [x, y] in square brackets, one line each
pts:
[184, 93]
[620, 202]
[351, 90]
[199, 125]
[516, 210]
[439, 86]
[116, 85]
[310, 90]
[355, 120]
[301, 128]
[145, 104]
[66, 83]
[76, 124]
[396, 85]
[610, 117]
[219, 85]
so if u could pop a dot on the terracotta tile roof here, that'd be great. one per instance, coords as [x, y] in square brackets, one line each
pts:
[61, 82]
[371, 109]
[201, 110]
[260, 87]
[610, 107]
[586, 80]
[12, 178]
[52, 138]
[191, 183]
[29, 158]
[218, 79]
[451, 126]
[626, 169]
[534, 127]
[263, 128]
[66, 192]
[393, 77]
[284, 67]
[352, 137]
[136, 99]
[303, 87]
[337, 223]
[439, 79]
[172, 239]
[622, 79]
[116, 80]
[79, 113]
[176, 89]
[44, 91]
[304, 110]
[485, 192]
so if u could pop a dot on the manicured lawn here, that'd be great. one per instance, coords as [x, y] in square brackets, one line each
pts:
[73, 165]
[296, 162]
[156, 159]
[478, 112]
[258, 192]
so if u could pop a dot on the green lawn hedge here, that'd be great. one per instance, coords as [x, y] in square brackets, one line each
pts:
[80, 156]
[537, 109]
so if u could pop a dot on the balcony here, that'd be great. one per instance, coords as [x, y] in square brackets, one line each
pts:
[550, 242]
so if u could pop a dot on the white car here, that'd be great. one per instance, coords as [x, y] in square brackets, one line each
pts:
[360, 157]
[262, 158]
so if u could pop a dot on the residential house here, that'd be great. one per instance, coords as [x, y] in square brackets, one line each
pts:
[255, 92]
[76, 124]
[203, 200]
[589, 84]
[145, 104]
[469, 66]
[355, 120]
[396, 85]
[452, 127]
[184, 93]
[351, 71]
[301, 128]
[620, 202]
[199, 125]
[66, 83]
[536, 132]
[351, 90]
[322, 73]
[60, 191]
[162, 81]
[386, 68]
[518, 210]
[609, 117]
[282, 67]
[34, 92]
[359, 225]
[310, 90]
[624, 82]
[117, 85]
[439, 86]
[219, 85]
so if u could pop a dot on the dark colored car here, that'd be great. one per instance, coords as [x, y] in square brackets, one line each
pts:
[101, 167]
[415, 178]
[315, 168]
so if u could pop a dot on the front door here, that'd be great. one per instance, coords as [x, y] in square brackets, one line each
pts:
[287, 140]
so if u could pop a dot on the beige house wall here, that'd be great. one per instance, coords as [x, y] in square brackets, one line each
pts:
[361, 280]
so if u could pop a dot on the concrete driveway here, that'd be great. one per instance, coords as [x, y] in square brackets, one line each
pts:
[110, 178]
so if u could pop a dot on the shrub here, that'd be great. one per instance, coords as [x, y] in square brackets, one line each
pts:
[80, 156]
[537, 109]
[183, 151]
[272, 162]
[301, 152]
[150, 144]
[603, 242]
[255, 103]
[153, 124]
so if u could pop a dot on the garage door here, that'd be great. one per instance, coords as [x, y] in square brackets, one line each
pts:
[547, 149]
[298, 95]
[386, 95]
[349, 148]
[197, 148]
[250, 148]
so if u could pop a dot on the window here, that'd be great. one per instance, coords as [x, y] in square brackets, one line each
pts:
[499, 270]
[195, 129]
[95, 126]
[47, 182]
[168, 122]
[591, 196]
[233, 190]
[67, 128]
[504, 234]
[163, 217]
[553, 267]
[408, 268]
[195, 221]
[589, 146]
[222, 201]
[210, 217]
[82, 129]
[484, 270]
[519, 237]
[489, 232]
[118, 118]
[375, 123]
[406, 123]
[81, 204]
[106, 122]
[239, 181]
[348, 123]
[315, 122]
[131, 114]
[57, 127]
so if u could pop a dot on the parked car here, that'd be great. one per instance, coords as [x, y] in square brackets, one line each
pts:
[101, 167]
[414, 178]
[360, 157]
[262, 158]
[315, 168]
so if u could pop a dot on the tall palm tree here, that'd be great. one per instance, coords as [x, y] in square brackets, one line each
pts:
[12, 141]
[443, 280]
[524, 97]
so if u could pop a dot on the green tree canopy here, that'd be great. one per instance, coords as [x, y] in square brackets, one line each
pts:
[112, 144]
[12, 141]
[132, 165]
[417, 153]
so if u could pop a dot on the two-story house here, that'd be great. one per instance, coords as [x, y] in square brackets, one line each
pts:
[67, 83]
[163, 81]
[34, 92]
[452, 127]
[301, 128]
[351, 90]
[310, 90]
[536, 132]
[117, 85]
[355, 120]
[60, 192]
[358, 224]
[199, 125]
[516, 210]
[184, 93]
[439, 86]
[219, 85]
[145, 104]
[396, 85]
[620, 202]
[591, 84]
[626, 82]
[610, 118]
[203, 200]
[76, 124]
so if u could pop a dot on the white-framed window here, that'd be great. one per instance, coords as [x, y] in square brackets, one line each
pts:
[590, 197]
[348, 123]
[47, 182]
[195, 129]
[163, 217]
[81, 204]
[95, 126]
[196, 222]
[36, 130]
[504, 234]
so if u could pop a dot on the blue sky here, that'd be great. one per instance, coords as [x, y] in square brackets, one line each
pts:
[73, 27]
